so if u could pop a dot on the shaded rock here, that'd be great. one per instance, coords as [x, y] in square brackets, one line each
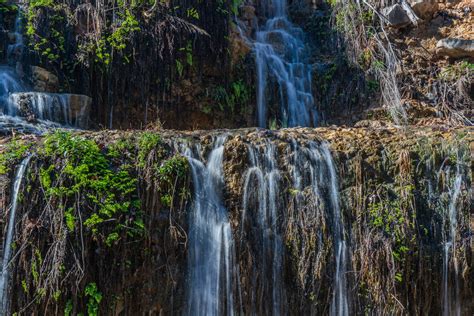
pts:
[396, 16]
[247, 12]
[424, 8]
[455, 48]
[43, 80]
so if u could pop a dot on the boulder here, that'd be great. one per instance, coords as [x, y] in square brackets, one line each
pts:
[455, 48]
[424, 8]
[43, 80]
[247, 12]
[396, 16]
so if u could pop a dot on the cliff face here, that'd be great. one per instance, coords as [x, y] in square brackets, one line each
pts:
[375, 218]
[107, 220]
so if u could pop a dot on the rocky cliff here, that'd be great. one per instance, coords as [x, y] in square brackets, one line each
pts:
[105, 219]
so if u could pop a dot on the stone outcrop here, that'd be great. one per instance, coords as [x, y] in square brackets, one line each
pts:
[43, 80]
[424, 8]
[455, 48]
[396, 16]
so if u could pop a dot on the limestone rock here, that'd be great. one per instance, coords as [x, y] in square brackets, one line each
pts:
[396, 16]
[424, 8]
[455, 48]
[43, 80]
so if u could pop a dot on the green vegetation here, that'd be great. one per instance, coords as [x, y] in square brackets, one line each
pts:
[14, 151]
[95, 297]
[169, 174]
[109, 192]
[49, 44]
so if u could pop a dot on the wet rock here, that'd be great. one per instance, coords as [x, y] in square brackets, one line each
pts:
[396, 16]
[424, 8]
[63, 109]
[43, 80]
[455, 48]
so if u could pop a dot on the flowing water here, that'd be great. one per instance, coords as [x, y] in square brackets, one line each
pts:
[311, 167]
[280, 58]
[4, 277]
[210, 257]
[32, 112]
[262, 184]
[451, 303]
[317, 160]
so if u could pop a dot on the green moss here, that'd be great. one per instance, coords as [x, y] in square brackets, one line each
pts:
[109, 192]
[14, 151]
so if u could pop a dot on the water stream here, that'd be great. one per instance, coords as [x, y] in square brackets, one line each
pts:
[311, 167]
[451, 303]
[210, 257]
[33, 112]
[7, 249]
[262, 184]
[281, 59]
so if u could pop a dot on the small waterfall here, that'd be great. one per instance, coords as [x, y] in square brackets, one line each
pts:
[210, 257]
[35, 112]
[50, 108]
[264, 174]
[15, 51]
[280, 56]
[9, 82]
[311, 169]
[339, 305]
[451, 303]
[4, 277]
[313, 165]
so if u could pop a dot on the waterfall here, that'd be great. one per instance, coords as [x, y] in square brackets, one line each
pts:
[280, 57]
[323, 178]
[14, 51]
[264, 171]
[451, 304]
[4, 277]
[310, 167]
[49, 108]
[34, 112]
[210, 257]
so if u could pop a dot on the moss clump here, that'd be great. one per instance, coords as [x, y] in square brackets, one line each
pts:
[80, 168]
[14, 151]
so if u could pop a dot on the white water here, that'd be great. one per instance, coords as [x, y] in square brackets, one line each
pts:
[4, 277]
[310, 166]
[264, 172]
[210, 257]
[50, 110]
[280, 57]
[14, 51]
[48, 107]
[451, 303]
[313, 165]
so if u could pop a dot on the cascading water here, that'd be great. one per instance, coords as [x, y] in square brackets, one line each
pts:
[264, 172]
[210, 257]
[310, 167]
[34, 112]
[280, 57]
[451, 303]
[4, 276]
[317, 160]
